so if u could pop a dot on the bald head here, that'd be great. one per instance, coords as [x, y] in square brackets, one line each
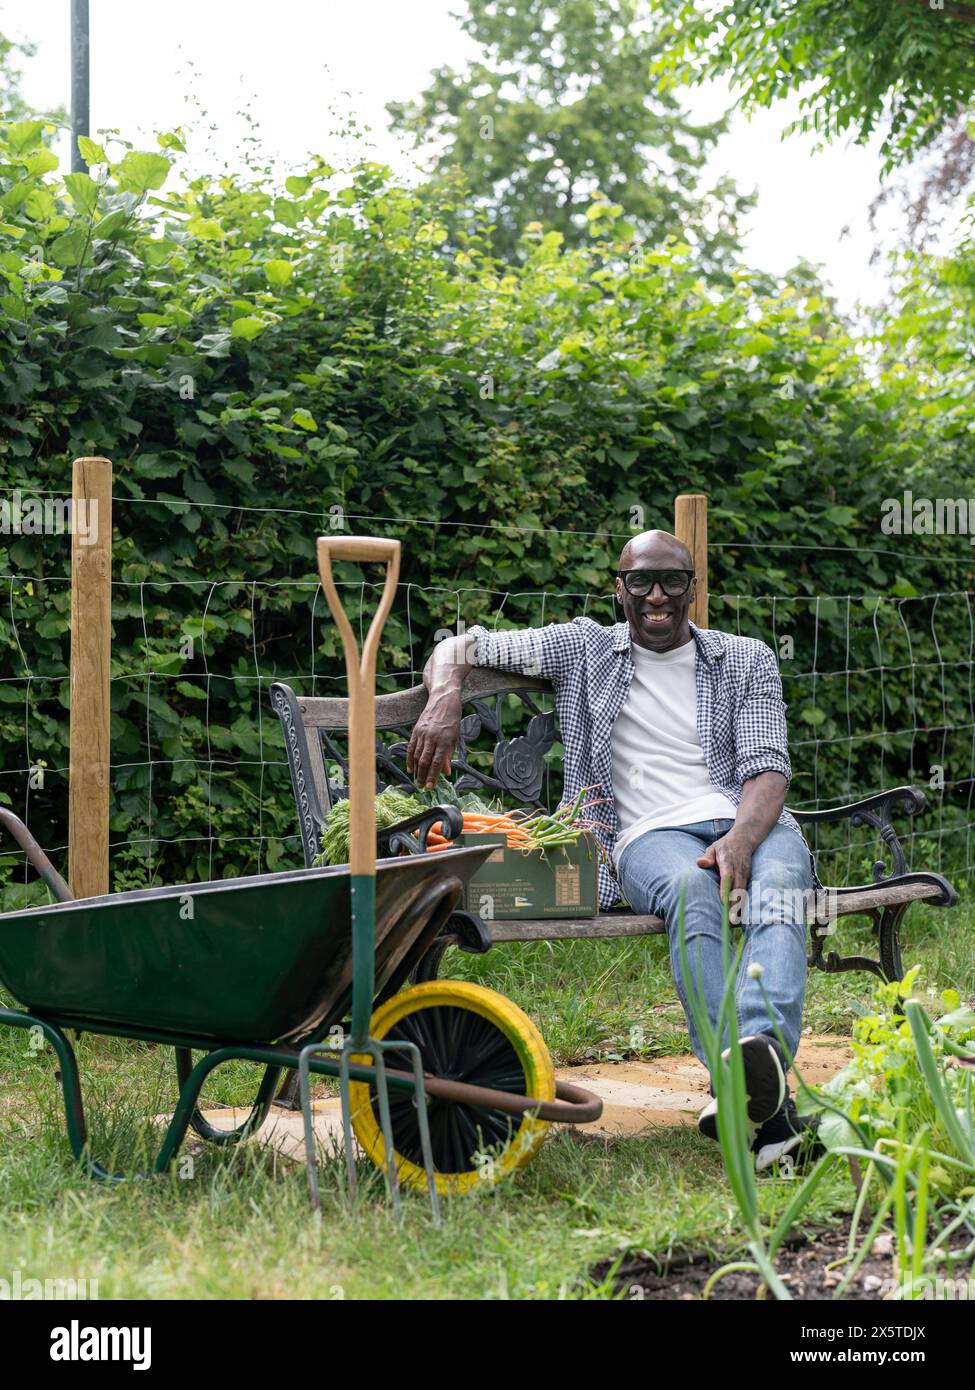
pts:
[655, 550]
[659, 616]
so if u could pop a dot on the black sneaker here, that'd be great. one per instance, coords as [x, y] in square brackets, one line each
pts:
[788, 1142]
[765, 1082]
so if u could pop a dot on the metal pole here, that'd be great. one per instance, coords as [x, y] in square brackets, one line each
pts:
[80, 117]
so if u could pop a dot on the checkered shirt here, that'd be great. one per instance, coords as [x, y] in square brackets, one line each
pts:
[740, 710]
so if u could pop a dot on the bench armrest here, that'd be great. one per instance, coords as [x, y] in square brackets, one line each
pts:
[401, 835]
[876, 811]
[872, 810]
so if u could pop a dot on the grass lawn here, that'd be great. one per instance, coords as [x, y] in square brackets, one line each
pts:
[239, 1226]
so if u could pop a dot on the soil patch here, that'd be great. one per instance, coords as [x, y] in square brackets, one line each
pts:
[802, 1263]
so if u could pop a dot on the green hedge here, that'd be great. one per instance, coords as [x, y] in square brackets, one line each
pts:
[262, 364]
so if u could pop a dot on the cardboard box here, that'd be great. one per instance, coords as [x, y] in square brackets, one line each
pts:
[512, 885]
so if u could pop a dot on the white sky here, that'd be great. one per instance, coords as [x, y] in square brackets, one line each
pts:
[299, 67]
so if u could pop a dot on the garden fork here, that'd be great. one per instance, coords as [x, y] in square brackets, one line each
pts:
[361, 677]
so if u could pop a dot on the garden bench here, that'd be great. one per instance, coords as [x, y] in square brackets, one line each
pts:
[313, 729]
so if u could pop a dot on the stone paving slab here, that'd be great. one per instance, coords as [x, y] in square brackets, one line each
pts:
[671, 1091]
[637, 1097]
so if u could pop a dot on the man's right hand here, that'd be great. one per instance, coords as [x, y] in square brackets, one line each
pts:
[434, 738]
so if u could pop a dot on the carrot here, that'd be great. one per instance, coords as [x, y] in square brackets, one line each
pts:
[493, 830]
[517, 835]
[498, 824]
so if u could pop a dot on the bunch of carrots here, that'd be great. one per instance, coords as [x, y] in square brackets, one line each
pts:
[525, 830]
[481, 824]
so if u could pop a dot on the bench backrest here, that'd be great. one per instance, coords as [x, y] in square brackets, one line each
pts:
[313, 727]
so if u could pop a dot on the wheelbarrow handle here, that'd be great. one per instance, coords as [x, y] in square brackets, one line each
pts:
[36, 855]
[572, 1106]
[361, 673]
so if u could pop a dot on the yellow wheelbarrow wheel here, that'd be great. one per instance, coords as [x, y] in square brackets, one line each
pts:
[465, 1033]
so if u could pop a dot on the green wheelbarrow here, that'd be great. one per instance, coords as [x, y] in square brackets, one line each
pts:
[445, 1085]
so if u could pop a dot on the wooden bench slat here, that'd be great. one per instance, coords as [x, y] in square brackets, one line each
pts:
[861, 899]
[331, 712]
[607, 925]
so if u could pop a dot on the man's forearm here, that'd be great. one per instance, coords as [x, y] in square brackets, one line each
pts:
[435, 733]
[445, 672]
[762, 800]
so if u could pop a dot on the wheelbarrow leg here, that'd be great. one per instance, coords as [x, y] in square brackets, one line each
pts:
[287, 1095]
[74, 1108]
[189, 1094]
[259, 1110]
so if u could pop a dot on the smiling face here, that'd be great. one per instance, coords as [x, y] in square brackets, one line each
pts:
[657, 622]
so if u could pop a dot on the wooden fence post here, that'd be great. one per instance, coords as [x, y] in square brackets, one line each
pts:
[691, 526]
[91, 653]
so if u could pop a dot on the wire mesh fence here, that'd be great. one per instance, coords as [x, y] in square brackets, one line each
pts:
[879, 690]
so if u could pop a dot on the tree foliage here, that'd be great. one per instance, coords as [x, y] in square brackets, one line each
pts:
[903, 67]
[13, 107]
[558, 124]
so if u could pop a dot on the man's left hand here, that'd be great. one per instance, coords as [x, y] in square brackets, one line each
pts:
[732, 857]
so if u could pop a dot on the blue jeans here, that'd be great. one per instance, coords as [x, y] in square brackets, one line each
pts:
[652, 869]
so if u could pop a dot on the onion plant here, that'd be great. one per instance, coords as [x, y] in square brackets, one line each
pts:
[905, 1163]
[734, 1127]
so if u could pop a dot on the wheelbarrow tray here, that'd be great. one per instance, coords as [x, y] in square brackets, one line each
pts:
[260, 959]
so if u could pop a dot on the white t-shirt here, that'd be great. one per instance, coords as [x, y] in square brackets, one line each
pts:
[659, 773]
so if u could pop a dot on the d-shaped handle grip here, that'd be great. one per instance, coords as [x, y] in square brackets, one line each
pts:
[376, 549]
[361, 675]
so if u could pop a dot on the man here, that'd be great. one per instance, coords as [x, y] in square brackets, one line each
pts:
[683, 732]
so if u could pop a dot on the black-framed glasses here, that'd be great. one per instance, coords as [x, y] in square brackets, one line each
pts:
[639, 583]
